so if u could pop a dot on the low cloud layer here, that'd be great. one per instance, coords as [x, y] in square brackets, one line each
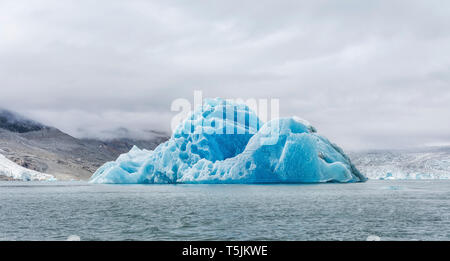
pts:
[366, 74]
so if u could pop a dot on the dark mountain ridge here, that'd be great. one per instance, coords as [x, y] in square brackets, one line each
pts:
[16, 123]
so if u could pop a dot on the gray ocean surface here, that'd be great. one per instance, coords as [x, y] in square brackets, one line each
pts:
[390, 210]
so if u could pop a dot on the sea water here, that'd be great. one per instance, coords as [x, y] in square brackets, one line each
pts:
[385, 210]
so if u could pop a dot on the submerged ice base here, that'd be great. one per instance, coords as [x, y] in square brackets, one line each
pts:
[202, 150]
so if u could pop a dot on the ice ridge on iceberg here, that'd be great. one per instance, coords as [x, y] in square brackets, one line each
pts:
[211, 146]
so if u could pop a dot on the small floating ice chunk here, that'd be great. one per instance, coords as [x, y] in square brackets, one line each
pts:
[373, 238]
[73, 238]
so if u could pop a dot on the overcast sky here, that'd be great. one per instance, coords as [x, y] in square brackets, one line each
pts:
[367, 74]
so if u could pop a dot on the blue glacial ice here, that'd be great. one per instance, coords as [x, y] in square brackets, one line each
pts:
[215, 146]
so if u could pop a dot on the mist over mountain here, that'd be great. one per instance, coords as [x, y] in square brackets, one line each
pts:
[16, 123]
[46, 149]
[119, 133]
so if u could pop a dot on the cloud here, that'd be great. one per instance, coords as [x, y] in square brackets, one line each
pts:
[367, 74]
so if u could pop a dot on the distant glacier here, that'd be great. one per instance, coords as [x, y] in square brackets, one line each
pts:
[423, 163]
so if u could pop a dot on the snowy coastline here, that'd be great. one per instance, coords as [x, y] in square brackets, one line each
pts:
[12, 171]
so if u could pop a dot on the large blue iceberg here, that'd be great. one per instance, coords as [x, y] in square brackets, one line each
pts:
[216, 146]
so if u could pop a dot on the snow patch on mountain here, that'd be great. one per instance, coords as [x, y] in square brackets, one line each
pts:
[14, 171]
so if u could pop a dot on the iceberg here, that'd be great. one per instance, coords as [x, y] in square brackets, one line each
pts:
[225, 142]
